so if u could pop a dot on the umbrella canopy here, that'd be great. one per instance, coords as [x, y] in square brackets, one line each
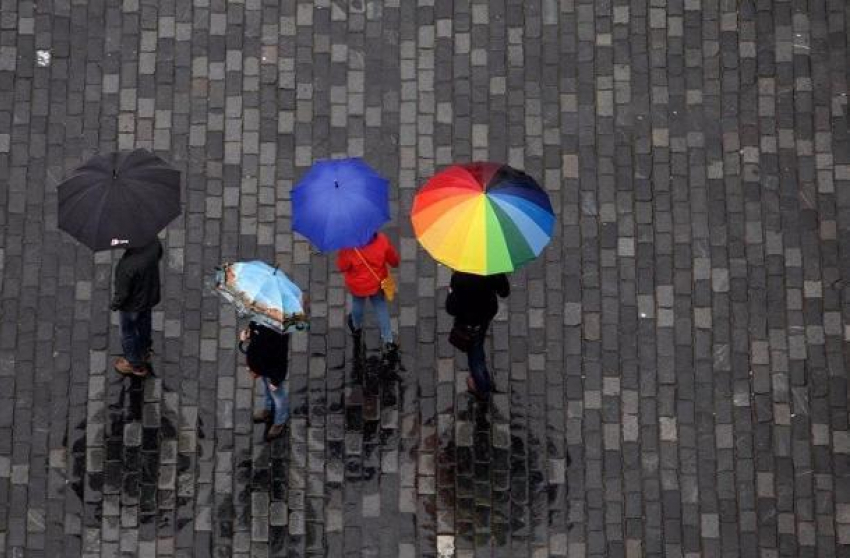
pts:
[340, 203]
[119, 200]
[264, 293]
[482, 218]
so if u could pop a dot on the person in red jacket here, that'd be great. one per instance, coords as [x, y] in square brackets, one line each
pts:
[364, 269]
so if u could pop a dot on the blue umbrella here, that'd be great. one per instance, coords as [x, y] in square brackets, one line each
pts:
[340, 203]
[264, 293]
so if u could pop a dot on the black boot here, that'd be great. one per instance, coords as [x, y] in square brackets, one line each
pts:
[390, 351]
[355, 331]
[355, 337]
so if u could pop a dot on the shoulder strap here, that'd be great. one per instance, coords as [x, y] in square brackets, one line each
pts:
[369, 267]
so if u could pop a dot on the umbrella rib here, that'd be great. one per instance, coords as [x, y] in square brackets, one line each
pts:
[149, 201]
[525, 222]
[70, 206]
[98, 222]
[518, 246]
[499, 256]
[457, 235]
[474, 253]
[75, 192]
[437, 236]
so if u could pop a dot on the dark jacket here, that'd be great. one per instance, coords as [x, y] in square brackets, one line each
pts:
[267, 352]
[472, 298]
[137, 279]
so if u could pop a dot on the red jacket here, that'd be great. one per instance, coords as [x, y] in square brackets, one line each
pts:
[358, 278]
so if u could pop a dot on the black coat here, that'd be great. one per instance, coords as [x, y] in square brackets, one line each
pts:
[472, 298]
[137, 285]
[267, 352]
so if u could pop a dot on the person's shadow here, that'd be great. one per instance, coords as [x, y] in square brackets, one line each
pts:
[380, 376]
[491, 484]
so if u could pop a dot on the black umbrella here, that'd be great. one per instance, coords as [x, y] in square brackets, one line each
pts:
[119, 200]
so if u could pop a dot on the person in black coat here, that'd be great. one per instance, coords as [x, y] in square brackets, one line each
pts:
[473, 302]
[137, 291]
[267, 355]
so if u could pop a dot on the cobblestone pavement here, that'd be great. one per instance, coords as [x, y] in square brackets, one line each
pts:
[672, 371]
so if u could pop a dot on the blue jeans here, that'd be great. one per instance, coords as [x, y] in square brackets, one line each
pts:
[135, 335]
[379, 304]
[277, 401]
[478, 364]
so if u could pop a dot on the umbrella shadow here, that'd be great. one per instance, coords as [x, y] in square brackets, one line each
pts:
[128, 407]
[374, 370]
[380, 379]
[496, 488]
[142, 434]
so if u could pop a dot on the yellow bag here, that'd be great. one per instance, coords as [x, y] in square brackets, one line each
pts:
[388, 285]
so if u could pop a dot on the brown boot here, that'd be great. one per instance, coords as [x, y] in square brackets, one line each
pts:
[275, 431]
[123, 366]
[472, 388]
[263, 416]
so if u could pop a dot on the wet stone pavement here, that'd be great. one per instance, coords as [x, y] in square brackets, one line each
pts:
[672, 372]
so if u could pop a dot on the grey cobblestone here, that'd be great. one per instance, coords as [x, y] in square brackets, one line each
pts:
[671, 372]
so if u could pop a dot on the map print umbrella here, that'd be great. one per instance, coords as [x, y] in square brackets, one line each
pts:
[482, 218]
[264, 293]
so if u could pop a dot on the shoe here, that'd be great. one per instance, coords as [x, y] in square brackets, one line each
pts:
[263, 416]
[390, 349]
[355, 331]
[123, 366]
[275, 431]
[473, 389]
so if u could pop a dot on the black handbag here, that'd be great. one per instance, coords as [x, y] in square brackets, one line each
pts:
[464, 336]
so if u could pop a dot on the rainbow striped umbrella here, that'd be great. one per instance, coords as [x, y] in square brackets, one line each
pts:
[482, 218]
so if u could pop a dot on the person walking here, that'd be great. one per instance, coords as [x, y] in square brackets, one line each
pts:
[473, 304]
[364, 269]
[137, 291]
[267, 355]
